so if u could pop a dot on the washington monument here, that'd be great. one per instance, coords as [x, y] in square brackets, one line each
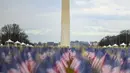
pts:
[65, 23]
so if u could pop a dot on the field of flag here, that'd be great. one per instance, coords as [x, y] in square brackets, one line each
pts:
[64, 60]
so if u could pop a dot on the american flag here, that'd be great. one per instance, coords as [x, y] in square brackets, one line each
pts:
[84, 66]
[64, 62]
[75, 63]
[101, 62]
[91, 54]
[128, 62]
[97, 58]
[116, 65]
[106, 68]
[12, 66]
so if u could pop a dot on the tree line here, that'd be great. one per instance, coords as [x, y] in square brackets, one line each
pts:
[122, 37]
[13, 32]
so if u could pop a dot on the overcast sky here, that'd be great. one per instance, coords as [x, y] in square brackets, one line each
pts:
[90, 19]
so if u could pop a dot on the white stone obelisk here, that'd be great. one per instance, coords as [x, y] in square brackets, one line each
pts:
[65, 24]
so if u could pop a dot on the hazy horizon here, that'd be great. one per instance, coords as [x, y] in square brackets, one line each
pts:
[91, 20]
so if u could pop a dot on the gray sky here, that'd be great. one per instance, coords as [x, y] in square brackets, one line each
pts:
[90, 19]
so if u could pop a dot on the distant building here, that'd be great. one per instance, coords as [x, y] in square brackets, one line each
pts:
[79, 44]
[75, 44]
[95, 43]
[52, 44]
[47, 44]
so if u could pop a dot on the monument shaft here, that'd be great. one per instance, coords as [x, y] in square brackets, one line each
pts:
[65, 23]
